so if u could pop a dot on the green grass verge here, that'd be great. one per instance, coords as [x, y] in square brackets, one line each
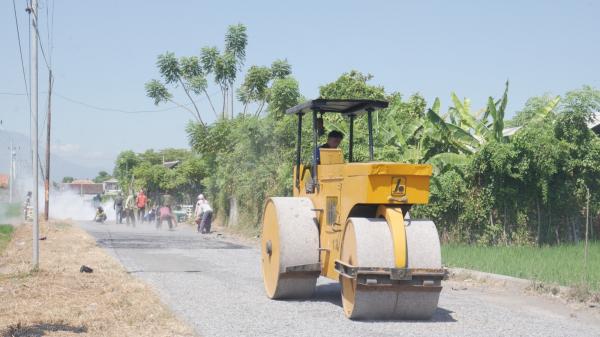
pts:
[8, 211]
[563, 264]
[5, 234]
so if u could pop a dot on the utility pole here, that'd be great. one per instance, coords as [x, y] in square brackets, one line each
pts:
[33, 14]
[48, 126]
[13, 163]
[11, 181]
[587, 225]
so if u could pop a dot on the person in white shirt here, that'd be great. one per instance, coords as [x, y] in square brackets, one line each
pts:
[203, 214]
[198, 209]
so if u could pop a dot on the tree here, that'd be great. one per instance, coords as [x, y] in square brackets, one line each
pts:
[146, 170]
[125, 163]
[255, 87]
[185, 73]
[67, 180]
[102, 177]
[280, 69]
[236, 41]
[489, 186]
[537, 165]
[225, 72]
[536, 108]
[190, 73]
[284, 94]
[352, 85]
[260, 83]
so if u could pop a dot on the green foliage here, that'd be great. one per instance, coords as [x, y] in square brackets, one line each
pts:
[208, 58]
[157, 91]
[146, 170]
[5, 235]
[256, 84]
[284, 93]
[273, 85]
[67, 180]
[102, 177]
[352, 85]
[236, 41]
[535, 109]
[562, 264]
[8, 210]
[489, 186]
[250, 158]
[190, 73]
[125, 163]
[280, 69]
[225, 69]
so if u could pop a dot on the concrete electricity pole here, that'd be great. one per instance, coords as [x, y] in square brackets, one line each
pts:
[33, 13]
[48, 128]
[14, 172]
[12, 176]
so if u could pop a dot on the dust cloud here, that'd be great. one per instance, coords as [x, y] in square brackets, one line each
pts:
[70, 205]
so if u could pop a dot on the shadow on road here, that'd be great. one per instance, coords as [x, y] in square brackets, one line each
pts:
[328, 293]
[331, 293]
[141, 241]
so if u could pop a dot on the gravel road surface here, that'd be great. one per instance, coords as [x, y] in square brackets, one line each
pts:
[214, 283]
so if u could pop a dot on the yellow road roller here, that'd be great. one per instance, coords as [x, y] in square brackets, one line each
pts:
[349, 221]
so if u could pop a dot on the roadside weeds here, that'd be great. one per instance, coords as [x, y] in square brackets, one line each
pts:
[580, 293]
[58, 300]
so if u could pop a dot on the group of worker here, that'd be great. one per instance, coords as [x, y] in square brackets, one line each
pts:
[136, 205]
[127, 208]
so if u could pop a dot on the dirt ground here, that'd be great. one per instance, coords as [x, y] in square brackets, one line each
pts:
[59, 300]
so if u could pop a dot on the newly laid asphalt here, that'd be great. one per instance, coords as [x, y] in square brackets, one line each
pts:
[215, 285]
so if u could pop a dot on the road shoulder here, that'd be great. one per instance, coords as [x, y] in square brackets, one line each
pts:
[60, 298]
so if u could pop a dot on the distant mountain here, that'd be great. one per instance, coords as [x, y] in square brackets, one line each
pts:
[59, 167]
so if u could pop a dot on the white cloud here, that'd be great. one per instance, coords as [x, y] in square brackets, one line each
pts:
[83, 155]
[66, 149]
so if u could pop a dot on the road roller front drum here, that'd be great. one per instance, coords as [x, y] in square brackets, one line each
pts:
[373, 287]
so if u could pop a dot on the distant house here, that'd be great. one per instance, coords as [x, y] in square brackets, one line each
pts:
[171, 164]
[507, 132]
[83, 187]
[594, 124]
[3, 180]
[111, 187]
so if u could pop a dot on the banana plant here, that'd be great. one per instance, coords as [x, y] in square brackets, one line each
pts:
[467, 130]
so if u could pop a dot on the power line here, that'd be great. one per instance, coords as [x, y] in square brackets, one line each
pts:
[37, 31]
[110, 109]
[95, 107]
[50, 29]
[20, 48]
[35, 26]
[8, 93]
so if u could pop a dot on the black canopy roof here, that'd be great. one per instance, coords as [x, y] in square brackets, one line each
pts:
[343, 106]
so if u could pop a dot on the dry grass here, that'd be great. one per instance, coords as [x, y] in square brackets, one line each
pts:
[58, 300]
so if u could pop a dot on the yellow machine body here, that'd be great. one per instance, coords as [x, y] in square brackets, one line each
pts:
[348, 221]
[374, 189]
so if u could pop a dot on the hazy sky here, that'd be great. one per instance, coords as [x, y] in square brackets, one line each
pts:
[104, 52]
